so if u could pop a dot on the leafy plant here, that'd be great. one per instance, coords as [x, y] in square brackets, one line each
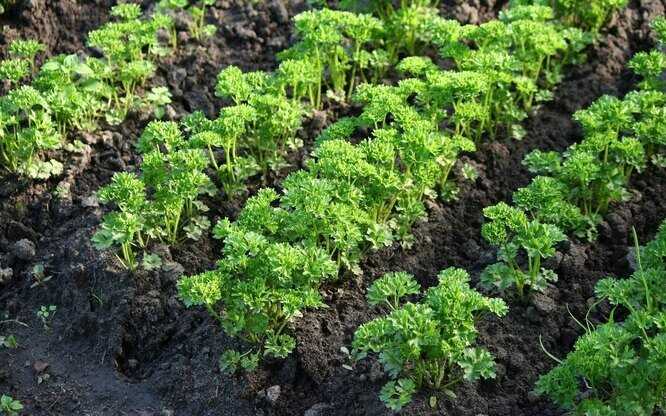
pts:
[128, 47]
[588, 15]
[652, 64]
[404, 23]
[257, 132]
[429, 344]
[322, 49]
[196, 10]
[8, 341]
[21, 60]
[27, 130]
[163, 203]
[502, 68]
[622, 361]
[14, 70]
[10, 406]
[76, 96]
[26, 49]
[620, 136]
[45, 314]
[259, 288]
[514, 234]
[546, 200]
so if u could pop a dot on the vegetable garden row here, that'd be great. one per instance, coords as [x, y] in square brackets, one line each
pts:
[377, 116]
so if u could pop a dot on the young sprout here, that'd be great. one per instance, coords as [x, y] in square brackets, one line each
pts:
[8, 405]
[46, 314]
[9, 341]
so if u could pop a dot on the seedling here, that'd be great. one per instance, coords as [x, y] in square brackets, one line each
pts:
[151, 261]
[321, 50]
[129, 46]
[46, 314]
[9, 406]
[266, 122]
[9, 341]
[157, 99]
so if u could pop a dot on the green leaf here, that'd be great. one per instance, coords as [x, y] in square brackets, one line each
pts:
[397, 394]
[392, 287]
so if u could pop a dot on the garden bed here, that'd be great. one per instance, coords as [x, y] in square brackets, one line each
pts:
[125, 344]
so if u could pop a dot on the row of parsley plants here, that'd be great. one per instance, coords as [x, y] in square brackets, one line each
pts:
[70, 92]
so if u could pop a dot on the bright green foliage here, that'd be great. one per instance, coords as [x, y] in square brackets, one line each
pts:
[260, 285]
[327, 213]
[26, 130]
[590, 15]
[197, 12]
[351, 198]
[258, 131]
[621, 364]
[69, 92]
[652, 65]
[77, 97]
[364, 194]
[129, 46]
[9, 406]
[429, 344]
[163, 203]
[649, 65]
[546, 200]
[391, 288]
[20, 63]
[426, 156]
[620, 137]
[404, 25]
[514, 234]
[385, 8]
[26, 49]
[502, 68]
[322, 50]
[14, 70]
[659, 27]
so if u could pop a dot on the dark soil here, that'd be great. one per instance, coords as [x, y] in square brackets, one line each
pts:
[125, 345]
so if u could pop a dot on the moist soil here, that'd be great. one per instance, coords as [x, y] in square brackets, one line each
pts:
[123, 344]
